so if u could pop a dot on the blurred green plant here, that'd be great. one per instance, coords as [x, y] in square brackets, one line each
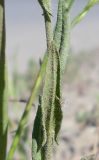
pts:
[3, 86]
[84, 12]
[88, 117]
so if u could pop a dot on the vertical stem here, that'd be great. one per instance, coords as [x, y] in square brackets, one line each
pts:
[47, 151]
[3, 86]
[49, 33]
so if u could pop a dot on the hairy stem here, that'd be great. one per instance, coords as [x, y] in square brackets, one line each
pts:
[48, 27]
[47, 153]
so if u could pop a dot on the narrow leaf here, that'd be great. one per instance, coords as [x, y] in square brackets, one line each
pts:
[84, 12]
[50, 111]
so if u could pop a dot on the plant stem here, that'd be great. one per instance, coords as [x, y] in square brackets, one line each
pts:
[3, 86]
[47, 152]
[49, 33]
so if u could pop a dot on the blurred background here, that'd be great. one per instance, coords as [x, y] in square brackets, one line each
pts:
[25, 45]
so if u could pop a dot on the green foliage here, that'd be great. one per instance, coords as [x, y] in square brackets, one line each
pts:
[3, 86]
[65, 38]
[49, 114]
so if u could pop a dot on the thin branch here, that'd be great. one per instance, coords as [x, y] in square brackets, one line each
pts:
[47, 150]
[84, 12]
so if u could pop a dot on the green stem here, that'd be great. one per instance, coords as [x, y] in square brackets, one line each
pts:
[3, 86]
[47, 153]
[48, 149]
[49, 33]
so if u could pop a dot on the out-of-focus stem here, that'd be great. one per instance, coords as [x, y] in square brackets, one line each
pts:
[3, 86]
[84, 12]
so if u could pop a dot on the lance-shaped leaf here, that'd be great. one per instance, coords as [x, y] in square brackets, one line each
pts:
[39, 133]
[3, 86]
[58, 26]
[57, 110]
[65, 40]
[50, 109]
